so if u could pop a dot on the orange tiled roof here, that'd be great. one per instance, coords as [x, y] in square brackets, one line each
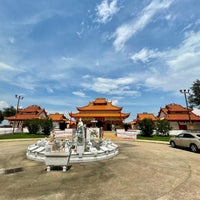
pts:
[175, 108]
[100, 101]
[176, 112]
[99, 104]
[31, 112]
[31, 109]
[19, 117]
[93, 115]
[99, 108]
[57, 117]
[182, 117]
[142, 116]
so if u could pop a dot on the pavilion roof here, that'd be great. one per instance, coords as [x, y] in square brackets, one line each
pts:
[100, 115]
[182, 117]
[30, 112]
[176, 112]
[99, 104]
[19, 117]
[174, 108]
[144, 115]
[57, 117]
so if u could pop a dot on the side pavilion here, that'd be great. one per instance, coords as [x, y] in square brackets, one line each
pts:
[180, 118]
[102, 113]
[30, 112]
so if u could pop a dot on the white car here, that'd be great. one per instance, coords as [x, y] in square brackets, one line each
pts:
[186, 140]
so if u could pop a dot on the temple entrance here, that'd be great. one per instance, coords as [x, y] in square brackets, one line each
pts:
[99, 124]
[108, 127]
[100, 113]
[62, 125]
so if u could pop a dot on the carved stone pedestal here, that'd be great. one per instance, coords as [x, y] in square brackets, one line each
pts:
[57, 159]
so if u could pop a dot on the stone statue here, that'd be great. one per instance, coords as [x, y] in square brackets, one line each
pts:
[80, 124]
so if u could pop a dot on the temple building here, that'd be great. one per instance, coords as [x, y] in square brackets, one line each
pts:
[59, 121]
[30, 112]
[180, 118]
[141, 116]
[101, 113]
[144, 115]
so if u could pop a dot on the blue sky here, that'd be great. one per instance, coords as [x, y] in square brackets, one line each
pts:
[60, 54]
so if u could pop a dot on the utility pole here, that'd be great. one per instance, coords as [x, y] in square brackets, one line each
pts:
[185, 92]
[18, 100]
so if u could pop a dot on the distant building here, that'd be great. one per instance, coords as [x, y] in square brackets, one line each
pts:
[31, 112]
[141, 116]
[59, 121]
[180, 118]
[102, 113]
[144, 115]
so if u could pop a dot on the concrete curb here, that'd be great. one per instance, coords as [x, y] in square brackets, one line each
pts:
[15, 140]
[113, 139]
[152, 141]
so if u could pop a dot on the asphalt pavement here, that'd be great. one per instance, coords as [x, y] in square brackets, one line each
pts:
[141, 171]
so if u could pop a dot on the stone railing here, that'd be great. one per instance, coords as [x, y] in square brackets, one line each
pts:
[63, 133]
[131, 134]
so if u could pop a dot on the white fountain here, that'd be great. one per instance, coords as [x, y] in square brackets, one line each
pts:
[85, 145]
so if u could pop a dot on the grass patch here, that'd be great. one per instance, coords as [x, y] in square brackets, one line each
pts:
[155, 137]
[22, 136]
[27, 135]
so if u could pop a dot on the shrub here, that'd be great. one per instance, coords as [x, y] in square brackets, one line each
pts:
[146, 126]
[163, 127]
[46, 126]
[33, 125]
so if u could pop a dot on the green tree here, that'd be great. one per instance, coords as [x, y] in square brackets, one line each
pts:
[163, 127]
[10, 111]
[46, 126]
[194, 97]
[146, 126]
[1, 116]
[33, 125]
[126, 126]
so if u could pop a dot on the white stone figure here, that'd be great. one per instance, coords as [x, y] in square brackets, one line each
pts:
[67, 145]
[80, 130]
[52, 135]
[62, 144]
[80, 123]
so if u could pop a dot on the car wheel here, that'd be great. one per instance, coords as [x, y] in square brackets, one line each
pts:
[193, 148]
[172, 143]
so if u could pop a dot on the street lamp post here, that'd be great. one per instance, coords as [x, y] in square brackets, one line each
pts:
[18, 100]
[185, 92]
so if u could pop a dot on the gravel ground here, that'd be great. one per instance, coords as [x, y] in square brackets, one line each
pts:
[141, 171]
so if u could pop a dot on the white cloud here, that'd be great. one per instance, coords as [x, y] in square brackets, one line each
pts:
[126, 31]
[66, 58]
[187, 55]
[49, 90]
[115, 102]
[3, 104]
[78, 93]
[196, 111]
[26, 82]
[174, 69]
[8, 72]
[4, 66]
[118, 86]
[86, 76]
[106, 10]
[145, 55]
[40, 16]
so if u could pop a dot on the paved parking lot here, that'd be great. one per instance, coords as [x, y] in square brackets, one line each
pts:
[142, 171]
